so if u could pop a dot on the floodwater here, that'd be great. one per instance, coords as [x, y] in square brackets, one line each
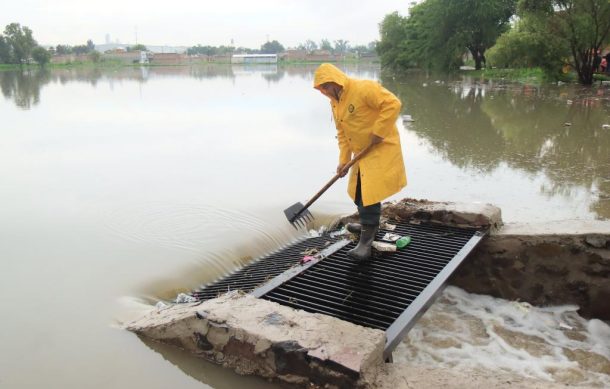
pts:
[123, 187]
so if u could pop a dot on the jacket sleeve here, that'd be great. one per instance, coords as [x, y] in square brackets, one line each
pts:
[388, 106]
[345, 153]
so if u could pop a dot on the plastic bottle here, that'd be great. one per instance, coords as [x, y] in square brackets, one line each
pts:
[403, 242]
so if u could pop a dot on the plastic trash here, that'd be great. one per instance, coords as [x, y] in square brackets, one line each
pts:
[403, 242]
[314, 234]
[389, 237]
[185, 298]
[388, 226]
[341, 232]
[307, 258]
[383, 246]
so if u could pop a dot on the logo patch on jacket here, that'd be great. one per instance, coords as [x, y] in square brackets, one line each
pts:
[351, 108]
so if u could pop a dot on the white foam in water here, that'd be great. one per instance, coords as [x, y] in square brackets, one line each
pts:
[481, 332]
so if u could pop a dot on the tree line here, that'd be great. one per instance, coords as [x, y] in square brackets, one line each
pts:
[340, 46]
[551, 34]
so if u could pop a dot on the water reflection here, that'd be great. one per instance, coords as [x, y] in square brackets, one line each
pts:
[206, 372]
[23, 88]
[550, 130]
[485, 125]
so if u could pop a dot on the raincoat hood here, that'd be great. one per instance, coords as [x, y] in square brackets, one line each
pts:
[329, 73]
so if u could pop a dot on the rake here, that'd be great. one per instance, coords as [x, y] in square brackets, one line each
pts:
[298, 214]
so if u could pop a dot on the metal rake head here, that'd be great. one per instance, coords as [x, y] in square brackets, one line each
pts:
[298, 215]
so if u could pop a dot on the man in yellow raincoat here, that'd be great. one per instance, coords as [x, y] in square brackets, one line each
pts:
[365, 113]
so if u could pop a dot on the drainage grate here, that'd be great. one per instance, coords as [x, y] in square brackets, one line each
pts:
[389, 293]
[262, 270]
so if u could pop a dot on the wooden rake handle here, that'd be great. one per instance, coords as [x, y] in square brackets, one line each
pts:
[338, 175]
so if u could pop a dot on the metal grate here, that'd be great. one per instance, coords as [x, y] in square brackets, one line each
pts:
[389, 293]
[262, 270]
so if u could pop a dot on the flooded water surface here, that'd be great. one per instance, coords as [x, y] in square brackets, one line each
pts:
[123, 187]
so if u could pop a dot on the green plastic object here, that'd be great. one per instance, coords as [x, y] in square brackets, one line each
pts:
[403, 242]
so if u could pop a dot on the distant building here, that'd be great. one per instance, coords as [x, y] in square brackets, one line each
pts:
[313, 56]
[123, 55]
[167, 58]
[253, 58]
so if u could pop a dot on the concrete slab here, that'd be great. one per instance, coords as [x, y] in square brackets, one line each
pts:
[260, 337]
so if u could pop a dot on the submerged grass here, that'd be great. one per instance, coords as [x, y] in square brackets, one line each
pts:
[523, 75]
[530, 75]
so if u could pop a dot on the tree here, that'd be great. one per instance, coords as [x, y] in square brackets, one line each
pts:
[438, 32]
[310, 45]
[530, 44]
[138, 47]
[90, 45]
[41, 55]
[20, 41]
[202, 50]
[392, 46]
[5, 50]
[63, 49]
[325, 45]
[341, 46]
[583, 26]
[477, 24]
[272, 47]
[80, 49]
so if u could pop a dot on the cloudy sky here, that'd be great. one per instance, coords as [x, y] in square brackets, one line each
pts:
[189, 22]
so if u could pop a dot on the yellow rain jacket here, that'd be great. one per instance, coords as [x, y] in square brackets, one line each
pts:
[366, 108]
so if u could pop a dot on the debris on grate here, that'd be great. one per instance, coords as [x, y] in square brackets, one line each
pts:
[310, 251]
[307, 258]
[384, 246]
[388, 226]
[389, 237]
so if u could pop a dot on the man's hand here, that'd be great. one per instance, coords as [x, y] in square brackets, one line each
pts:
[339, 170]
[375, 139]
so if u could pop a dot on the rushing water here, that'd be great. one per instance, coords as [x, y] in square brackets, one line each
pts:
[123, 187]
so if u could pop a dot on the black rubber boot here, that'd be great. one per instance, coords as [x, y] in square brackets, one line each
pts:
[354, 228]
[362, 252]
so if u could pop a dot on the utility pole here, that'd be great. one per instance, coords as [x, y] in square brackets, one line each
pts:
[136, 35]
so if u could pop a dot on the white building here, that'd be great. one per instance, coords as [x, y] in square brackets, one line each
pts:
[253, 58]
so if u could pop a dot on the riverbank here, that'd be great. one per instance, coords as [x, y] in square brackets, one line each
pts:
[113, 63]
[528, 75]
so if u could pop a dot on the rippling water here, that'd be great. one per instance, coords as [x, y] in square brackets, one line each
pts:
[123, 187]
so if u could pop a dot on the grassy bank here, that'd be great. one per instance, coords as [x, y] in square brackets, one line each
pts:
[525, 75]
[529, 75]
[62, 65]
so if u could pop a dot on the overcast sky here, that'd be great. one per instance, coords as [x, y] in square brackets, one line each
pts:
[189, 22]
